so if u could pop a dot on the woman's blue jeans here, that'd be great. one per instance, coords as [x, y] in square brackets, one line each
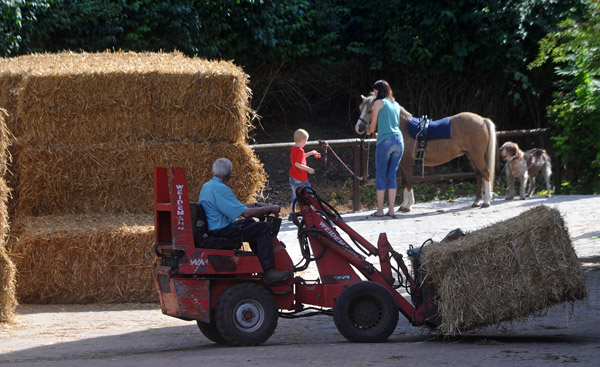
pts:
[387, 159]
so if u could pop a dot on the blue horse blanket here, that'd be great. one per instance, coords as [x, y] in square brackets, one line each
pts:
[439, 129]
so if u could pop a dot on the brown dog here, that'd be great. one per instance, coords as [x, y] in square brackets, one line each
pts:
[525, 166]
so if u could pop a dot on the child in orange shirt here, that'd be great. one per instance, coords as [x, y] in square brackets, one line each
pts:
[299, 170]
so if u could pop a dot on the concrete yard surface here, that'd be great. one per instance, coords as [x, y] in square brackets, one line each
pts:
[140, 335]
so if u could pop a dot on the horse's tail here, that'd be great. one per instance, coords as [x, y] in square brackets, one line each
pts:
[491, 150]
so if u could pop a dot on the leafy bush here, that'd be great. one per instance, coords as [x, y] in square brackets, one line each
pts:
[574, 113]
[309, 57]
[17, 19]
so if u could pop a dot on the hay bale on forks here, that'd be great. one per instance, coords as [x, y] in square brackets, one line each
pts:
[85, 259]
[506, 271]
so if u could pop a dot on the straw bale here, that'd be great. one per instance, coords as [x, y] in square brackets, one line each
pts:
[12, 72]
[94, 98]
[5, 142]
[8, 100]
[506, 271]
[113, 178]
[4, 218]
[8, 300]
[85, 259]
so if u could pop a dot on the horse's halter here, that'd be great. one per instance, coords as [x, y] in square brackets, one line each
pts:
[369, 111]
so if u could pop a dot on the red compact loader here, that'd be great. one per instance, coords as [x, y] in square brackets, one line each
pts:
[224, 292]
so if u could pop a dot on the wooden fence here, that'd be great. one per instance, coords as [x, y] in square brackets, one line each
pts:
[359, 161]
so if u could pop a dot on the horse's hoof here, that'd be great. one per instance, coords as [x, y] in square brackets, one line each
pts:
[475, 205]
[485, 205]
[548, 196]
[509, 198]
[404, 209]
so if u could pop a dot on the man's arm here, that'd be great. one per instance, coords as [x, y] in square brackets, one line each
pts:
[260, 209]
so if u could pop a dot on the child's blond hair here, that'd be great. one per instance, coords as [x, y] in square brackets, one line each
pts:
[299, 135]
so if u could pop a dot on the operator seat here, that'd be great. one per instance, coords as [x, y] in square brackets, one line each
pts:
[204, 239]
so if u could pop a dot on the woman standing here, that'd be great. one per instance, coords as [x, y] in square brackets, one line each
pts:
[390, 145]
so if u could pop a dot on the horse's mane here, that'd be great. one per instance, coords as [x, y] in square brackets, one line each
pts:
[404, 114]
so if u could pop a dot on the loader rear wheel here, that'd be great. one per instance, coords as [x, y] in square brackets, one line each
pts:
[246, 314]
[210, 331]
[366, 312]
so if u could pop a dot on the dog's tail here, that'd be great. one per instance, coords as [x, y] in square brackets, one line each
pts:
[491, 151]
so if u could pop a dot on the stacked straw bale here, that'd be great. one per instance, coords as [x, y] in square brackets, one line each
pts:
[92, 98]
[9, 83]
[89, 129]
[8, 300]
[83, 259]
[506, 271]
[104, 178]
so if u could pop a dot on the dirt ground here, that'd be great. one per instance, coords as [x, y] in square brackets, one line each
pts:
[139, 335]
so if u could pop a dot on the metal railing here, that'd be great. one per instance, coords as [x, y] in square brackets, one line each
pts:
[360, 159]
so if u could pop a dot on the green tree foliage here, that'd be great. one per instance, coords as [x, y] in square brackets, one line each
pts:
[249, 31]
[308, 55]
[492, 40]
[88, 25]
[17, 19]
[575, 110]
[433, 37]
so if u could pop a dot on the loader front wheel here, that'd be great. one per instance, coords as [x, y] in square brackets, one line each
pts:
[366, 312]
[246, 314]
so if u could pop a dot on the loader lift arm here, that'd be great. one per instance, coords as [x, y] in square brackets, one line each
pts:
[317, 221]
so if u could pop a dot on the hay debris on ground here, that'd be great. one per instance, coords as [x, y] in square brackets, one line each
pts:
[113, 178]
[85, 259]
[506, 271]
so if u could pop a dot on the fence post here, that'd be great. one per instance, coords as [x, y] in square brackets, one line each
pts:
[364, 164]
[355, 182]
[557, 175]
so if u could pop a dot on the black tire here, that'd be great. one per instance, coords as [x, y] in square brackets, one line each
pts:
[246, 314]
[210, 331]
[366, 312]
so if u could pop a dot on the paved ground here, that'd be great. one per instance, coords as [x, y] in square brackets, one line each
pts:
[139, 335]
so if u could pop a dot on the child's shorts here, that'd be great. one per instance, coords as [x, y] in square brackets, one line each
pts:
[294, 184]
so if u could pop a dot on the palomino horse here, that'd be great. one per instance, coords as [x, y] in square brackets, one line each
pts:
[470, 134]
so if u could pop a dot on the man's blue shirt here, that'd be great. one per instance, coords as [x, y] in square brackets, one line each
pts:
[220, 204]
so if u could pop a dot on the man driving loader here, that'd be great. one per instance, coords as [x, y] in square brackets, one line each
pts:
[222, 209]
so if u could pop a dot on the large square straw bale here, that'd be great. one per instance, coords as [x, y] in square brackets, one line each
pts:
[8, 99]
[113, 178]
[5, 142]
[506, 271]
[85, 259]
[12, 72]
[102, 97]
[8, 301]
